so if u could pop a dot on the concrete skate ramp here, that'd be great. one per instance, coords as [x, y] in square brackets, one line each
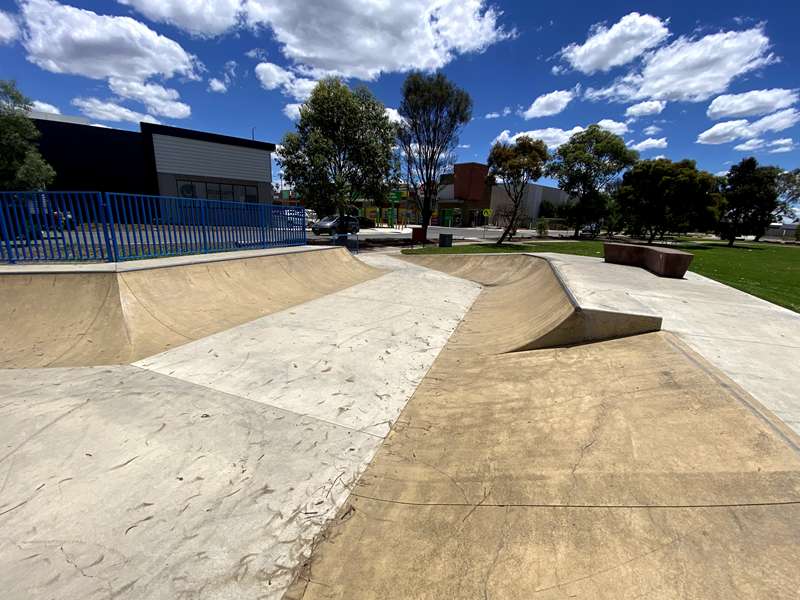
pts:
[527, 307]
[112, 317]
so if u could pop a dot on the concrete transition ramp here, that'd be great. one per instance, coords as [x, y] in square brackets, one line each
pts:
[528, 307]
[115, 314]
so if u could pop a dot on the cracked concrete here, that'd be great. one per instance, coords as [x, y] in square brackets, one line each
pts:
[208, 471]
[619, 469]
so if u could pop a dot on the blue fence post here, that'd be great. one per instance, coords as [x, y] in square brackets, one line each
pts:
[109, 231]
[4, 232]
[204, 225]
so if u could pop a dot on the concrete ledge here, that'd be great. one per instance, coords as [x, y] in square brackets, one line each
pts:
[664, 262]
[152, 263]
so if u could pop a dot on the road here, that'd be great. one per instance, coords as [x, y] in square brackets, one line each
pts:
[459, 233]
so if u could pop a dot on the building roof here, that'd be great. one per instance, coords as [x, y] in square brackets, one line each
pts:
[192, 134]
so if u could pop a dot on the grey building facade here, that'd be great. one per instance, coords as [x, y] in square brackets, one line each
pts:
[157, 160]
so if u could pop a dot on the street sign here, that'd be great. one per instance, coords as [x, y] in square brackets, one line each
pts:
[487, 212]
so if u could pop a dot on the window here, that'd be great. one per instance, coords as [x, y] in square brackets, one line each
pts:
[217, 191]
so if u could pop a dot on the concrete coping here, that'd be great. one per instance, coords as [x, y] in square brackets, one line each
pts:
[152, 263]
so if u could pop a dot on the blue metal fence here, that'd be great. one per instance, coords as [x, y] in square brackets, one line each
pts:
[95, 226]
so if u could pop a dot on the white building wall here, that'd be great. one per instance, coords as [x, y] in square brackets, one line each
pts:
[210, 159]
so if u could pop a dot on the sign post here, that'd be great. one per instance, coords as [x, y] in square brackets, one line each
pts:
[487, 212]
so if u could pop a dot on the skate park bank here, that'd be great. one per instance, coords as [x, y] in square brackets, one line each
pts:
[374, 427]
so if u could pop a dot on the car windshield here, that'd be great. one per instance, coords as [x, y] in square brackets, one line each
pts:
[327, 220]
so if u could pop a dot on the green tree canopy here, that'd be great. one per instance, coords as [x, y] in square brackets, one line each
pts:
[516, 166]
[433, 112]
[342, 149]
[660, 196]
[585, 166]
[789, 194]
[21, 165]
[749, 200]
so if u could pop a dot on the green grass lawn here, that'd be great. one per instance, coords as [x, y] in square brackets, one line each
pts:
[769, 271]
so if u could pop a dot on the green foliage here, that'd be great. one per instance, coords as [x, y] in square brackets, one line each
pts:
[542, 228]
[659, 196]
[342, 149]
[749, 200]
[434, 110]
[21, 165]
[789, 194]
[585, 166]
[517, 166]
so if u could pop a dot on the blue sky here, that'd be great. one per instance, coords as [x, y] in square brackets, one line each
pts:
[713, 81]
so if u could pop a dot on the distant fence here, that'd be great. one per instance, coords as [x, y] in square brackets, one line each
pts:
[112, 227]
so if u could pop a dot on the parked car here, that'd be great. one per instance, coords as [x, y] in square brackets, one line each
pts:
[311, 217]
[331, 225]
[365, 223]
[590, 231]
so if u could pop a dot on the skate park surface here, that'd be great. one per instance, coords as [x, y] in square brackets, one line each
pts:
[388, 429]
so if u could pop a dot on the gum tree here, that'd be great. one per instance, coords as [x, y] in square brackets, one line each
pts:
[342, 149]
[660, 196]
[21, 165]
[749, 200]
[516, 166]
[585, 166]
[433, 112]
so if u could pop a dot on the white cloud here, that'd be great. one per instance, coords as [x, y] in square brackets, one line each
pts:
[648, 107]
[778, 121]
[110, 111]
[753, 103]
[651, 130]
[256, 53]
[550, 104]
[198, 17]
[552, 136]
[750, 145]
[354, 38]
[496, 115]
[464, 146]
[692, 70]
[160, 101]
[615, 127]
[659, 156]
[221, 84]
[292, 111]
[217, 85]
[649, 144]
[45, 107]
[608, 47]
[724, 132]
[65, 39]
[273, 77]
[393, 115]
[9, 31]
[782, 145]
[729, 131]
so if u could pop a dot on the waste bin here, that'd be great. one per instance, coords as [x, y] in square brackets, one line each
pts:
[417, 236]
[445, 240]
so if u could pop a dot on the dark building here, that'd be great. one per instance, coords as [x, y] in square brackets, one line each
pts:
[158, 160]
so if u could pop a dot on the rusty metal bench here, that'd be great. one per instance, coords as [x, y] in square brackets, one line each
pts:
[664, 262]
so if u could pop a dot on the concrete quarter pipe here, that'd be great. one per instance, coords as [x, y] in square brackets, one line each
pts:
[105, 316]
[529, 308]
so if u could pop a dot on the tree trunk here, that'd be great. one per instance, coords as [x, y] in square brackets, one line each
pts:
[509, 227]
[426, 218]
[652, 237]
[731, 239]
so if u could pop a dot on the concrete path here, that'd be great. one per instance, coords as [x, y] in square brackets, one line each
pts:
[754, 342]
[207, 471]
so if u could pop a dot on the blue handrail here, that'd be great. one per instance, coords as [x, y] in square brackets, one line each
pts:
[112, 227]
